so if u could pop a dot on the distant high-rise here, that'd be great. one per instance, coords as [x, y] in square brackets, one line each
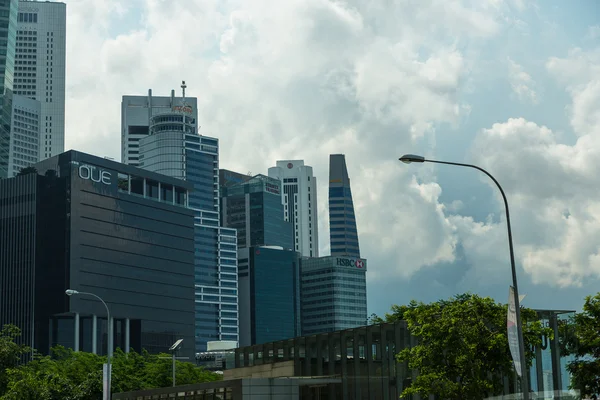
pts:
[8, 32]
[342, 220]
[299, 198]
[136, 112]
[40, 66]
[254, 209]
[169, 143]
[24, 136]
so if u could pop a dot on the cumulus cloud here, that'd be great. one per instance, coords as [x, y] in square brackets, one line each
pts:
[301, 79]
[295, 79]
[553, 187]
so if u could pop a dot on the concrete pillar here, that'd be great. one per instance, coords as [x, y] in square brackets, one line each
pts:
[94, 334]
[76, 338]
[539, 368]
[127, 333]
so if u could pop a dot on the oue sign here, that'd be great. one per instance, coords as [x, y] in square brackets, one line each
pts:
[94, 174]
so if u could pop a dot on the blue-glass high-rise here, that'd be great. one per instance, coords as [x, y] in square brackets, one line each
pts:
[342, 220]
[174, 148]
[9, 10]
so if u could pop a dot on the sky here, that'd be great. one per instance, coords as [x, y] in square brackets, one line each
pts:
[512, 86]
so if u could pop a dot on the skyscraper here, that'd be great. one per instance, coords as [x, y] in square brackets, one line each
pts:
[8, 32]
[172, 146]
[40, 65]
[136, 112]
[342, 220]
[299, 198]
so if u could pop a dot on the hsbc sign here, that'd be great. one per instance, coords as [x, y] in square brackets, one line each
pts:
[350, 262]
[95, 174]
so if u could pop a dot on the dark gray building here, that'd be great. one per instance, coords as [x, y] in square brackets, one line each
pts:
[98, 226]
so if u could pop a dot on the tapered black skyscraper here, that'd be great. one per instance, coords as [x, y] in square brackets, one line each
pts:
[342, 221]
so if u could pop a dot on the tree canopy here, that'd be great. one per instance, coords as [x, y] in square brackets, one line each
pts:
[70, 375]
[462, 347]
[581, 338]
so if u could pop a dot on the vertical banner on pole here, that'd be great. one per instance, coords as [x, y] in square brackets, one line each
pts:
[105, 380]
[511, 327]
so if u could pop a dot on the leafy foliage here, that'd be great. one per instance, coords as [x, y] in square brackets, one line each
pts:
[10, 352]
[462, 346]
[27, 170]
[581, 338]
[70, 375]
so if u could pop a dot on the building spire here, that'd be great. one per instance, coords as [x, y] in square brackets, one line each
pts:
[183, 87]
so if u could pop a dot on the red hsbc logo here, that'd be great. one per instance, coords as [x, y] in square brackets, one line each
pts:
[350, 262]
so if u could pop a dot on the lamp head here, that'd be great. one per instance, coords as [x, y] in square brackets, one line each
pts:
[71, 292]
[411, 158]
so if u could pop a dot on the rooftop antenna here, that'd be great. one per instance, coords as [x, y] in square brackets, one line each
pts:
[183, 86]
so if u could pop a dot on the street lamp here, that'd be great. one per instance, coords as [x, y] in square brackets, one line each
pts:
[411, 158]
[71, 292]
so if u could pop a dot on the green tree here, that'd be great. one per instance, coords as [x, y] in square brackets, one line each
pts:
[11, 352]
[27, 170]
[462, 346]
[581, 338]
[70, 375]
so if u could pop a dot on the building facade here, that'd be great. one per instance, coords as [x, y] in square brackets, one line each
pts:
[173, 147]
[254, 209]
[25, 134]
[93, 225]
[269, 294]
[40, 66]
[299, 198]
[8, 32]
[343, 234]
[334, 294]
[136, 112]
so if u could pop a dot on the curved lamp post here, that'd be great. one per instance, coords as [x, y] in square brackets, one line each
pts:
[411, 158]
[71, 292]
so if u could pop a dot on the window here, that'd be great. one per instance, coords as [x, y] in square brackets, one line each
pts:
[151, 189]
[180, 196]
[137, 185]
[166, 193]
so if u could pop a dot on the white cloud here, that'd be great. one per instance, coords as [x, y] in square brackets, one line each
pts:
[521, 82]
[553, 188]
[295, 79]
[373, 80]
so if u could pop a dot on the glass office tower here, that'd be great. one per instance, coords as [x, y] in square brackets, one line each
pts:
[269, 283]
[254, 209]
[334, 293]
[9, 10]
[342, 220]
[174, 148]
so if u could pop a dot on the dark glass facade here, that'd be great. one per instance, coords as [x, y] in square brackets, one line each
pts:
[109, 229]
[9, 10]
[255, 210]
[342, 220]
[269, 297]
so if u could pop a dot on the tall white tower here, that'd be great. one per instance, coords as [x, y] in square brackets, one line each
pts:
[299, 197]
[40, 64]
